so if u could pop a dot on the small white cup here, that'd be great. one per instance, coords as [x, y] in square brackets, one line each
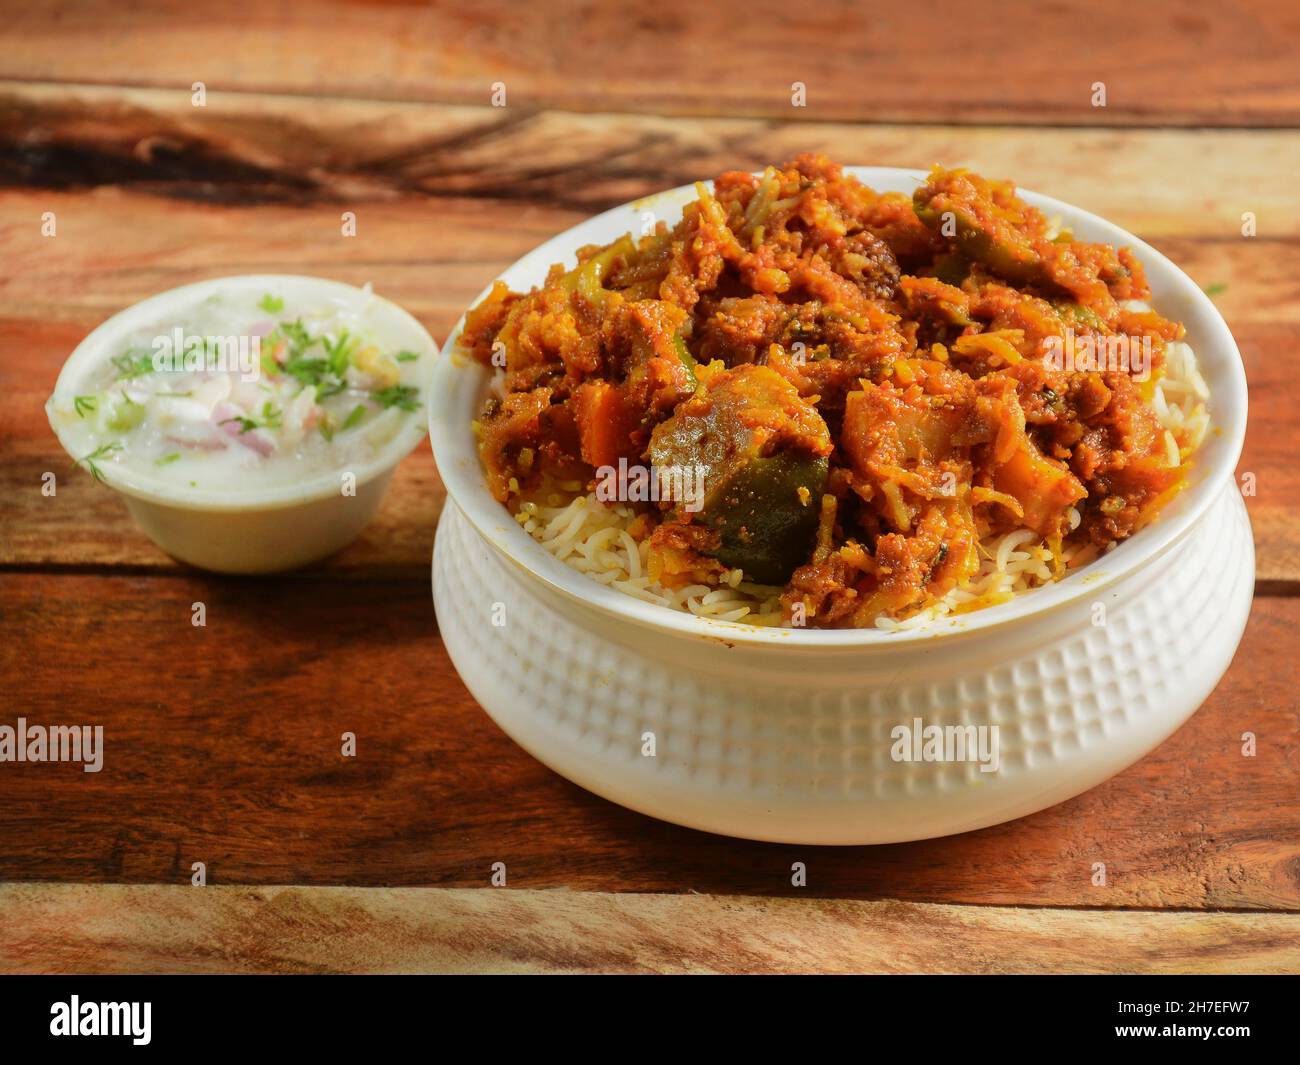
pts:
[260, 530]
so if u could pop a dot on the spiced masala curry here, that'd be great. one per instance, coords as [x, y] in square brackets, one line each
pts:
[872, 384]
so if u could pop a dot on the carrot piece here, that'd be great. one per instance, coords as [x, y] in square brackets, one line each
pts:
[605, 423]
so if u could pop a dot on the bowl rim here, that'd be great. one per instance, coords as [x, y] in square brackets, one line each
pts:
[144, 312]
[458, 385]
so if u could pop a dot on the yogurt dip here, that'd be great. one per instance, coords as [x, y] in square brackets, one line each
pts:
[251, 424]
[239, 392]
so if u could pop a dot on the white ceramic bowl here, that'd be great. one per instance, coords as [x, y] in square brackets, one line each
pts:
[786, 734]
[267, 529]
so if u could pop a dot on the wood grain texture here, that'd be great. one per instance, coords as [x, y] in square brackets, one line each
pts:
[261, 149]
[222, 745]
[1176, 62]
[92, 930]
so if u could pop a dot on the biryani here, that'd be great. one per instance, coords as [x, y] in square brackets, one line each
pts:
[811, 404]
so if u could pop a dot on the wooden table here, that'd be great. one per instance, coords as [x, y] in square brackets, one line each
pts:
[222, 742]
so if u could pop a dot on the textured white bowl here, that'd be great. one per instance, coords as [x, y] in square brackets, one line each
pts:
[785, 734]
[238, 530]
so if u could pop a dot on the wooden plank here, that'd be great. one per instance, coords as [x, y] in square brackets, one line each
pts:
[1179, 62]
[222, 745]
[313, 154]
[1269, 452]
[116, 246]
[96, 930]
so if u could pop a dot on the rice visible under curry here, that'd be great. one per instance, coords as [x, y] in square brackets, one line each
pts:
[942, 460]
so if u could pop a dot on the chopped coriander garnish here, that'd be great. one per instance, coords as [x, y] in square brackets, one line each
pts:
[168, 459]
[1216, 288]
[268, 419]
[358, 412]
[406, 356]
[404, 397]
[132, 364]
[338, 351]
[320, 373]
[84, 404]
[101, 452]
[271, 304]
[270, 415]
[307, 371]
[297, 336]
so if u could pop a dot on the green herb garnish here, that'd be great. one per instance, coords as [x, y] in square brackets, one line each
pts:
[167, 460]
[132, 363]
[297, 336]
[406, 356]
[269, 419]
[358, 412]
[1216, 288]
[307, 371]
[404, 397]
[317, 372]
[271, 304]
[270, 415]
[101, 452]
[339, 351]
[84, 404]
